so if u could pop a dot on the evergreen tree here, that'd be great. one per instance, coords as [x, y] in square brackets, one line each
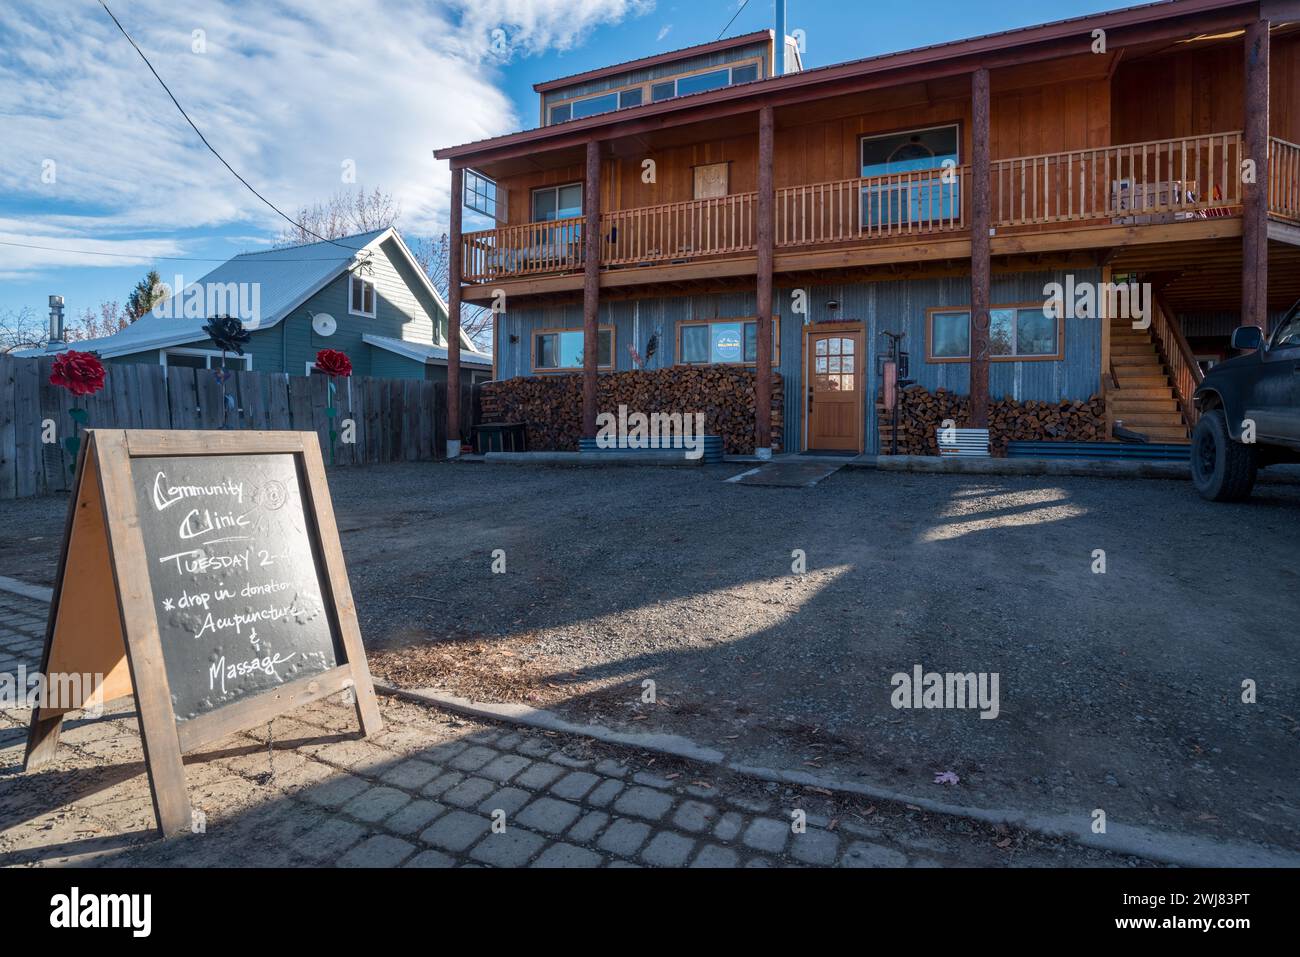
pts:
[148, 292]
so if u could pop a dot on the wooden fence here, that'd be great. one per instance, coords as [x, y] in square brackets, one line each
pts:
[393, 420]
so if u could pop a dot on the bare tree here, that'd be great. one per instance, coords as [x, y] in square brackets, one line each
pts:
[347, 213]
[343, 214]
[434, 258]
[111, 318]
[21, 329]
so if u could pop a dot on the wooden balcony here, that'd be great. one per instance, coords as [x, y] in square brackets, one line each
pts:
[1135, 184]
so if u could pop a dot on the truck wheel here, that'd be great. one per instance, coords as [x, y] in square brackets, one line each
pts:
[1222, 470]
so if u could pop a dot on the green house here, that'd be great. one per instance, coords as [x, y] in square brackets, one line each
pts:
[363, 295]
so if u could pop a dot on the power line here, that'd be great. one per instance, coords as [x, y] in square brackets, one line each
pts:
[724, 29]
[205, 139]
[177, 259]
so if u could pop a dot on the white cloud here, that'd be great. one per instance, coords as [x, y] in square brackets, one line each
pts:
[286, 92]
[666, 29]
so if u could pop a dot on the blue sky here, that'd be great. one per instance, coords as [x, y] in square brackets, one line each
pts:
[94, 157]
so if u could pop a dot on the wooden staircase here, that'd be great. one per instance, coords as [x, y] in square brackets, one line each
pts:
[1145, 400]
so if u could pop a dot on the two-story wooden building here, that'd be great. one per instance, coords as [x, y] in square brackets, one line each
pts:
[705, 195]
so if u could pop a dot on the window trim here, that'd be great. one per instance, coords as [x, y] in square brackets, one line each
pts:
[776, 340]
[246, 358]
[613, 349]
[929, 335]
[532, 203]
[758, 61]
[863, 137]
[374, 296]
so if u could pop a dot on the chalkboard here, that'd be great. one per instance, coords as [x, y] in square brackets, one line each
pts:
[201, 573]
[237, 583]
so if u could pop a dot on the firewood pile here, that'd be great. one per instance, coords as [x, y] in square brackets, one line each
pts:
[922, 412]
[551, 405]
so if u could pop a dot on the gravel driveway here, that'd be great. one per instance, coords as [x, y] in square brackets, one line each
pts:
[1120, 691]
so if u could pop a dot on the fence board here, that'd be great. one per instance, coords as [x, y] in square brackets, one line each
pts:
[395, 419]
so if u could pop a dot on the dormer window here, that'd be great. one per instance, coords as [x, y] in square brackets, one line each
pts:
[562, 109]
[361, 296]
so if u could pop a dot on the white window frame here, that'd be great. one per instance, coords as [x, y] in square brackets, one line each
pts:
[213, 357]
[374, 296]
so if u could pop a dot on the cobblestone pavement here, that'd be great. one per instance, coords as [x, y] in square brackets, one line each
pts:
[436, 790]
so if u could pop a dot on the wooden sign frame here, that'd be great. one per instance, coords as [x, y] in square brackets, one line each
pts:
[103, 618]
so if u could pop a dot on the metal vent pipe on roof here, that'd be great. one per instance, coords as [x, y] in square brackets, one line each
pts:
[779, 68]
[56, 319]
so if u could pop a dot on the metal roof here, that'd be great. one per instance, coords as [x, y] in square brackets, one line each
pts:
[426, 352]
[286, 278]
[919, 56]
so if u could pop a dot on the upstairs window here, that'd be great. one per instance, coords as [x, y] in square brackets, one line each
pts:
[723, 342]
[361, 296]
[557, 202]
[593, 105]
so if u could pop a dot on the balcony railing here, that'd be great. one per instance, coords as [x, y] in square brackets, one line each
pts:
[1284, 179]
[1135, 182]
[1160, 181]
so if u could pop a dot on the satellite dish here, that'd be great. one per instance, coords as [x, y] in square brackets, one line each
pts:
[323, 324]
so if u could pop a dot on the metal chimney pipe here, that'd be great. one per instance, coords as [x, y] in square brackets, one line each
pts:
[56, 319]
[778, 68]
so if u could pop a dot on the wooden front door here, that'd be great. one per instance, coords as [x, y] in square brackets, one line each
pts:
[834, 386]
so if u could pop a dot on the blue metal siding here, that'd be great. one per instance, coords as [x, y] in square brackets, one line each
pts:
[880, 306]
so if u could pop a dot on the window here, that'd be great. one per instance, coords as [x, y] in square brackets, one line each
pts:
[1015, 332]
[361, 296]
[1288, 333]
[594, 104]
[557, 202]
[700, 82]
[921, 199]
[561, 349]
[482, 195]
[203, 359]
[723, 342]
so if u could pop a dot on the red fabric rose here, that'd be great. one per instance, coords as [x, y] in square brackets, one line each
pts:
[333, 363]
[81, 373]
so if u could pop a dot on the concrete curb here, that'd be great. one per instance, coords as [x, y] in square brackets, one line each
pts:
[1120, 838]
[34, 592]
[588, 459]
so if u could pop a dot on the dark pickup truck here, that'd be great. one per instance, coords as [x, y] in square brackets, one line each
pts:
[1250, 412]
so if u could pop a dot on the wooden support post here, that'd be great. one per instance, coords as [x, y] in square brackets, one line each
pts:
[1254, 220]
[763, 335]
[590, 288]
[453, 312]
[980, 267]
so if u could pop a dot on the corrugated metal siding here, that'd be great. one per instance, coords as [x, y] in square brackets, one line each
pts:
[674, 68]
[1210, 324]
[879, 306]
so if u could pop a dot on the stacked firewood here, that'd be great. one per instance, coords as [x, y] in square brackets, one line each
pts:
[551, 405]
[921, 413]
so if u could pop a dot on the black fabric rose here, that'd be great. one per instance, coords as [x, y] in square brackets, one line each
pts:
[228, 334]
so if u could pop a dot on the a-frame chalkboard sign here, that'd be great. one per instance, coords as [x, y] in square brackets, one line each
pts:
[202, 573]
